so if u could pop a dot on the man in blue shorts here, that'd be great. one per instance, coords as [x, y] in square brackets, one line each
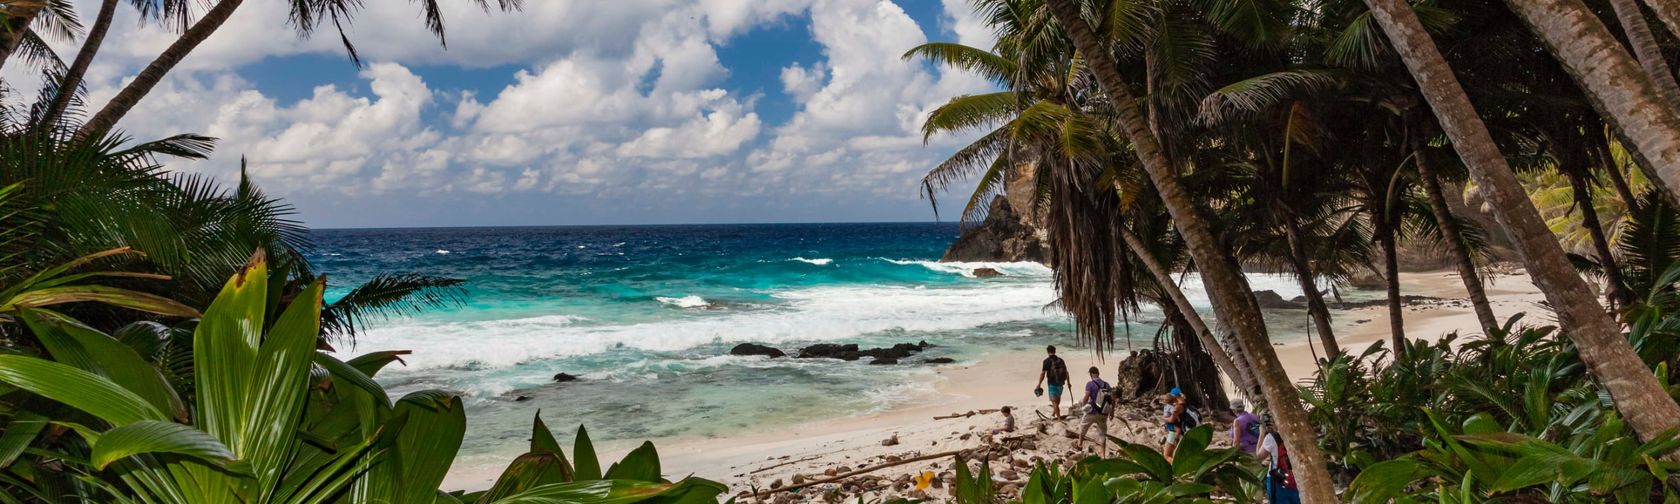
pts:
[1055, 370]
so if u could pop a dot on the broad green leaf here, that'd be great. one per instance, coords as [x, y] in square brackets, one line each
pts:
[18, 433]
[642, 464]
[1034, 492]
[586, 492]
[528, 471]
[427, 443]
[134, 300]
[1090, 491]
[542, 440]
[158, 437]
[78, 345]
[345, 374]
[79, 389]
[1385, 480]
[370, 363]
[275, 394]
[225, 351]
[586, 466]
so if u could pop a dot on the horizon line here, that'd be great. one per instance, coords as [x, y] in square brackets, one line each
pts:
[516, 226]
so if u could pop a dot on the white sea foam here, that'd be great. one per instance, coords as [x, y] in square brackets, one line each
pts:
[684, 302]
[1024, 268]
[820, 261]
[442, 252]
[813, 314]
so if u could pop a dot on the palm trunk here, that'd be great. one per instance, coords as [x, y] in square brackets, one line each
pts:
[1391, 276]
[1608, 355]
[1617, 179]
[1612, 80]
[1226, 287]
[154, 72]
[72, 80]
[1667, 11]
[1309, 288]
[18, 17]
[1616, 289]
[1645, 49]
[1163, 277]
[1453, 238]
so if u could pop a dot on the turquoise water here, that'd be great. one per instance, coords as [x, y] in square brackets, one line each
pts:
[646, 316]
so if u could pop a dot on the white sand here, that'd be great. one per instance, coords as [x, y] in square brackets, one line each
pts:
[744, 462]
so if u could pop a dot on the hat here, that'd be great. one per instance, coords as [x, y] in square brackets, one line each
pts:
[1176, 391]
[1238, 406]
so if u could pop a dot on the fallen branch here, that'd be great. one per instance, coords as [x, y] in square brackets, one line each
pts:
[870, 469]
[965, 415]
[769, 467]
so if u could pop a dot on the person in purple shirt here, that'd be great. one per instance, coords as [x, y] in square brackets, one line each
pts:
[1245, 430]
[1098, 401]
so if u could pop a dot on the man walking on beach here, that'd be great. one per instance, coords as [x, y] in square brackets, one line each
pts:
[1099, 404]
[1055, 370]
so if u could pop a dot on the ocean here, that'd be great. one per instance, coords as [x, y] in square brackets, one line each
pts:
[646, 315]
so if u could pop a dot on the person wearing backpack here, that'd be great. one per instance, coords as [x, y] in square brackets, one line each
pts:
[1056, 372]
[1280, 473]
[1099, 405]
[1180, 417]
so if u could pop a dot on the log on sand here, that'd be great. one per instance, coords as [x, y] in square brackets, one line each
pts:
[865, 470]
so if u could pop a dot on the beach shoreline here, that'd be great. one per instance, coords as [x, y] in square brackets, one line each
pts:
[781, 455]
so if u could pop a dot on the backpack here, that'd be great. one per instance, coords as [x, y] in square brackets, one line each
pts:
[1059, 371]
[1283, 475]
[1105, 399]
[1190, 418]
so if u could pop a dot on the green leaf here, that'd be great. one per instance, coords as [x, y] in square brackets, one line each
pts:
[353, 376]
[1090, 491]
[78, 345]
[642, 464]
[158, 437]
[542, 440]
[149, 303]
[370, 363]
[225, 351]
[78, 389]
[586, 466]
[275, 392]
[1384, 481]
[588, 492]
[528, 471]
[427, 443]
[19, 432]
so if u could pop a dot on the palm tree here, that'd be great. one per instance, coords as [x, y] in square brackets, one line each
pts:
[1231, 296]
[306, 15]
[1617, 86]
[1637, 394]
[1645, 48]
[1452, 236]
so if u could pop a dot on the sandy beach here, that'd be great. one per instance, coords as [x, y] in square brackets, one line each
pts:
[786, 456]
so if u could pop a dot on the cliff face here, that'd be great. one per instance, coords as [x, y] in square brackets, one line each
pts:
[1003, 236]
[1009, 233]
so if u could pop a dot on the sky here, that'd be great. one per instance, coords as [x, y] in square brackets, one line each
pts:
[567, 112]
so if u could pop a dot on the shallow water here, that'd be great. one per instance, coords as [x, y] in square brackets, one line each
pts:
[646, 316]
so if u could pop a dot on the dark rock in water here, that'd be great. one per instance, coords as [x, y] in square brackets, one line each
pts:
[522, 398]
[939, 360]
[1271, 300]
[757, 349]
[925, 345]
[1005, 235]
[563, 378]
[987, 273]
[884, 360]
[830, 351]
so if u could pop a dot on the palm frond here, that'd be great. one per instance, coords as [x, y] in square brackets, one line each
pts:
[993, 67]
[388, 295]
[1247, 98]
[969, 112]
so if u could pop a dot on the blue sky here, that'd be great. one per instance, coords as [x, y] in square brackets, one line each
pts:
[569, 112]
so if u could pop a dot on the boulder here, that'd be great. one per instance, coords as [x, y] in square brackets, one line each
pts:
[1272, 300]
[883, 361]
[565, 377]
[757, 349]
[830, 351]
[939, 360]
[521, 398]
[987, 273]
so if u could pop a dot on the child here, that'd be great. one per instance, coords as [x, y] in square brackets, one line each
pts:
[1008, 421]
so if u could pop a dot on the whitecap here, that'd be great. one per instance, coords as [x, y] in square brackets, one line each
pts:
[684, 302]
[442, 252]
[820, 261]
[1020, 269]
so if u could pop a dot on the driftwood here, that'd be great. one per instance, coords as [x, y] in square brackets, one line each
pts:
[966, 415]
[769, 467]
[857, 472]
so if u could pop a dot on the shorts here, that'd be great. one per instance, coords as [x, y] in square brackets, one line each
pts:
[1055, 392]
[1097, 419]
[1172, 435]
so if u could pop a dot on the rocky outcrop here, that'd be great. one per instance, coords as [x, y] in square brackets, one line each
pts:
[757, 349]
[851, 352]
[1271, 300]
[565, 377]
[986, 273]
[1005, 235]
